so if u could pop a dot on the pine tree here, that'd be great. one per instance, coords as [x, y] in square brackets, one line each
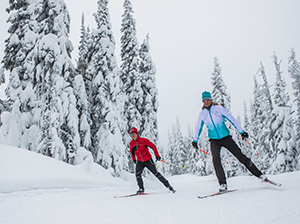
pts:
[37, 54]
[169, 153]
[284, 156]
[80, 83]
[131, 80]
[219, 92]
[248, 147]
[221, 96]
[261, 118]
[148, 110]
[294, 72]
[256, 124]
[82, 106]
[179, 153]
[82, 49]
[54, 75]
[19, 60]
[2, 75]
[102, 81]
[194, 159]
[246, 117]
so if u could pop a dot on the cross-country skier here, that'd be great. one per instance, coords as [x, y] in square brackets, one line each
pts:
[142, 158]
[213, 116]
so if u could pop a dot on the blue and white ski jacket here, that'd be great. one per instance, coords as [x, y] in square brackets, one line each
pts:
[214, 119]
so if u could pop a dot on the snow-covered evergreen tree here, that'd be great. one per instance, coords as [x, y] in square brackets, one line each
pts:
[82, 49]
[219, 92]
[294, 72]
[262, 106]
[2, 75]
[149, 107]
[37, 55]
[19, 60]
[54, 74]
[246, 118]
[190, 152]
[256, 124]
[131, 80]
[221, 96]
[246, 149]
[284, 154]
[169, 153]
[197, 160]
[102, 86]
[82, 106]
[177, 151]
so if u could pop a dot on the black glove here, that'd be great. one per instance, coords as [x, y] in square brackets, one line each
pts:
[134, 161]
[195, 145]
[245, 135]
[158, 158]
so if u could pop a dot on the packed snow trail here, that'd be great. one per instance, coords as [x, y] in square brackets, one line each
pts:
[83, 203]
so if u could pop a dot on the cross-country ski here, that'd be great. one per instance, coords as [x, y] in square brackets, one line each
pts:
[216, 194]
[273, 183]
[132, 195]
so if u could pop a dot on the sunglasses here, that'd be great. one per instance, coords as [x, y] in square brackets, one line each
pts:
[132, 134]
[205, 100]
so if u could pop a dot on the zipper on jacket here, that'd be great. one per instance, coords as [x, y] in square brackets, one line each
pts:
[214, 124]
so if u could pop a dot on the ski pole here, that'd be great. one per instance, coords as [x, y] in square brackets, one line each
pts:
[162, 162]
[250, 145]
[204, 151]
[246, 141]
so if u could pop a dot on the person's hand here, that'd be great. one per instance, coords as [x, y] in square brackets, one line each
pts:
[195, 145]
[245, 135]
[158, 158]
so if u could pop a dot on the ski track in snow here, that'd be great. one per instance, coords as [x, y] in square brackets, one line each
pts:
[42, 198]
[259, 203]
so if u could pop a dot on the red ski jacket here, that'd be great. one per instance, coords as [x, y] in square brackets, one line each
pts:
[139, 149]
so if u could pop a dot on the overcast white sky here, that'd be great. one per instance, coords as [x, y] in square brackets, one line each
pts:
[186, 35]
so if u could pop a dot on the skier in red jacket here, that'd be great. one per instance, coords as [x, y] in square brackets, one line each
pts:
[142, 158]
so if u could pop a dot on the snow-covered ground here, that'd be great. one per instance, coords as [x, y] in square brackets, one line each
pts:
[39, 189]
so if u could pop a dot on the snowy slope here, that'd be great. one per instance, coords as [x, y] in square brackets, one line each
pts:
[38, 189]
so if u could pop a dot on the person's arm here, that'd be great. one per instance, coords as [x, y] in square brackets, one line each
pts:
[198, 129]
[232, 120]
[152, 146]
[132, 152]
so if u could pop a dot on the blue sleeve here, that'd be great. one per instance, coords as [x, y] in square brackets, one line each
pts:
[198, 129]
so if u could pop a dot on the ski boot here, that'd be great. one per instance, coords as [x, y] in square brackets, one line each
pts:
[140, 191]
[172, 189]
[223, 188]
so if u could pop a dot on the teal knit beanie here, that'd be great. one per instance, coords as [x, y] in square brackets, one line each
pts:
[206, 95]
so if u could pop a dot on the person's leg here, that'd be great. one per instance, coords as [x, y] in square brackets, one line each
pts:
[236, 151]
[151, 166]
[138, 174]
[215, 148]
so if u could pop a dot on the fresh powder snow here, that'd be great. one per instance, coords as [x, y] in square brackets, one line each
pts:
[39, 189]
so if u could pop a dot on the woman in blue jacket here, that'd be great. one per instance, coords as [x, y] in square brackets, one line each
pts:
[213, 116]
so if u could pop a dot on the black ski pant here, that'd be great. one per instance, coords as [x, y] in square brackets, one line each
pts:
[228, 143]
[151, 166]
